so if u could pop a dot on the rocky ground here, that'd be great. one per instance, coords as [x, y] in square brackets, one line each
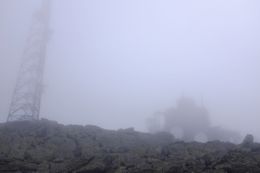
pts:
[48, 147]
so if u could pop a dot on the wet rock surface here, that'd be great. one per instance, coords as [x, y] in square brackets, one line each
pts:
[48, 147]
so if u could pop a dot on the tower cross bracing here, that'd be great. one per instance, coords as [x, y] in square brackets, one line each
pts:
[26, 99]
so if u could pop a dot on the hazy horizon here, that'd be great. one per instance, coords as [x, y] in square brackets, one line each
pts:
[114, 63]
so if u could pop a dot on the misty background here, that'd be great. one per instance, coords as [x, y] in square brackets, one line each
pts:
[114, 63]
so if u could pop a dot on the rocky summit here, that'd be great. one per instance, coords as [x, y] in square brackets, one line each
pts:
[48, 147]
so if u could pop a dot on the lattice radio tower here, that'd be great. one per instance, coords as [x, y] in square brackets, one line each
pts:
[26, 100]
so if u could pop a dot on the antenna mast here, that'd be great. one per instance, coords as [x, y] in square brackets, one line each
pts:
[26, 100]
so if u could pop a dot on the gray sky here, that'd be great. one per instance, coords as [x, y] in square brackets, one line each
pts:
[113, 63]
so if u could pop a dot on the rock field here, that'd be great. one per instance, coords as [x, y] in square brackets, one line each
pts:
[48, 147]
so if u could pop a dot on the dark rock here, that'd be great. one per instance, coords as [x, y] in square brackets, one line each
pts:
[48, 147]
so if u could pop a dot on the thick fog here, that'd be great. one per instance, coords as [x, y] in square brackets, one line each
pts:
[114, 63]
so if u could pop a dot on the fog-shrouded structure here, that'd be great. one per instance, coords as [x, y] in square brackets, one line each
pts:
[26, 100]
[189, 121]
[114, 63]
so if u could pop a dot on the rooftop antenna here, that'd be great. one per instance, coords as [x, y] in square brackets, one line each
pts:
[26, 99]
